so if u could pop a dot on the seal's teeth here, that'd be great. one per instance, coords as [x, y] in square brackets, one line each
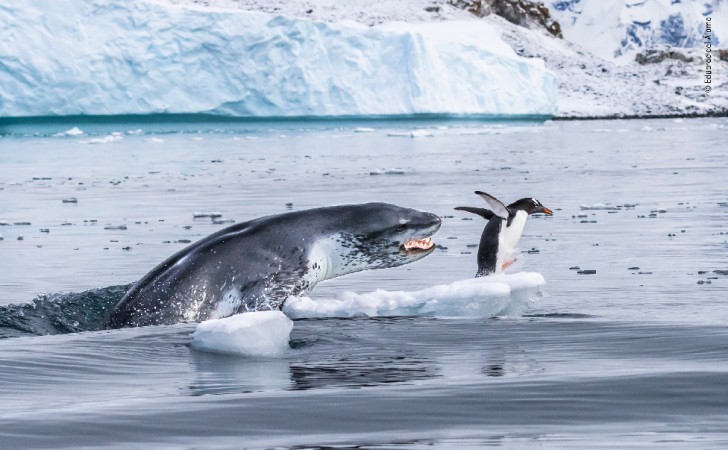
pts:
[422, 244]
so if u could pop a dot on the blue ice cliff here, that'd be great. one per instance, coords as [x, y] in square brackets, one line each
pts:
[106, 57]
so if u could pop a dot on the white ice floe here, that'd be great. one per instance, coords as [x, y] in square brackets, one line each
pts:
[503, 294]
[103, 140]
[75, 131]
[261, 333]
[144, 57]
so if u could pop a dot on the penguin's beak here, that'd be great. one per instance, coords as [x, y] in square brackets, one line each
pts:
[545, 210]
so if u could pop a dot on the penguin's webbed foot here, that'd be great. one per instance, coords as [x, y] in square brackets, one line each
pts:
[508, 263]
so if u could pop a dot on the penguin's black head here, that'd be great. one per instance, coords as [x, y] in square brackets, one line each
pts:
[530, 206]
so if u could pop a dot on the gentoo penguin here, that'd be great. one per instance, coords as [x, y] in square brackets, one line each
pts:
[504, 228]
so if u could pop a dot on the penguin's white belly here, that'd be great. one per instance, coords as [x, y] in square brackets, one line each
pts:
[508, 239]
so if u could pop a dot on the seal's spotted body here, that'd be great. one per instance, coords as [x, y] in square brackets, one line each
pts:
[258, 264]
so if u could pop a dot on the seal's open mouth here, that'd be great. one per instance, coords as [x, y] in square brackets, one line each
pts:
[418, 244]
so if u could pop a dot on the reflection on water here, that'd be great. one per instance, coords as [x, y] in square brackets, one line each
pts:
[344, 359]
[217, 374]
[353, 372]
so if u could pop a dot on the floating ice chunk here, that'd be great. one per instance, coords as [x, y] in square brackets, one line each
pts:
[75, 131]
[104, 140]
[363, 130]
[154, 140]
[392, 171]
[600, 206]
[261, 333]
[502, 294]
[205, 214]
[412, 133]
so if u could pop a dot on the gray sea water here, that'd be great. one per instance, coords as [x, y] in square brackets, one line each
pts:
[635, 355]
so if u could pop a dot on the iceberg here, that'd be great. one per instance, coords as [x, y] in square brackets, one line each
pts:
[113, 57]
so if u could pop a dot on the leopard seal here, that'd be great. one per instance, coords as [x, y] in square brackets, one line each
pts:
[256, 265]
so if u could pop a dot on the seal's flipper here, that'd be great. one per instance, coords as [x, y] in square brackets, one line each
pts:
[482, 212]
[498, 208]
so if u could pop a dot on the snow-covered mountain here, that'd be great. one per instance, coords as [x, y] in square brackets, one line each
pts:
[620, 28]
[142, 57]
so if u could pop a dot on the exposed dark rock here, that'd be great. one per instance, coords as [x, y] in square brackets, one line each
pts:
[657, 55]
[526, 13]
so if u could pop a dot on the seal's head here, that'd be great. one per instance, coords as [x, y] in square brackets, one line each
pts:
[379, 235]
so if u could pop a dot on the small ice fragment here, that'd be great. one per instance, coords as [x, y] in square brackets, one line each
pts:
[201, 215]
[411, 134]
[392, 171]
[586, 272]
[115, 227]
[75, 131]
[363, 130]
[104, 140]
[222, 221]
[600, 206]
[154, 140]
[70, 200]
[21, 223]
[260, 333]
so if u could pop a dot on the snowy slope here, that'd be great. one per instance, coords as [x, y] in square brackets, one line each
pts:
[621, 28]
[139, 57]
[587, 85]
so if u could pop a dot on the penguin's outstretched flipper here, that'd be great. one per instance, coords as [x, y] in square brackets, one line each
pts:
[482, 212]
[498, 208]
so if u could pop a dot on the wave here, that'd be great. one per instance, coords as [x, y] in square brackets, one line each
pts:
[61, 312]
